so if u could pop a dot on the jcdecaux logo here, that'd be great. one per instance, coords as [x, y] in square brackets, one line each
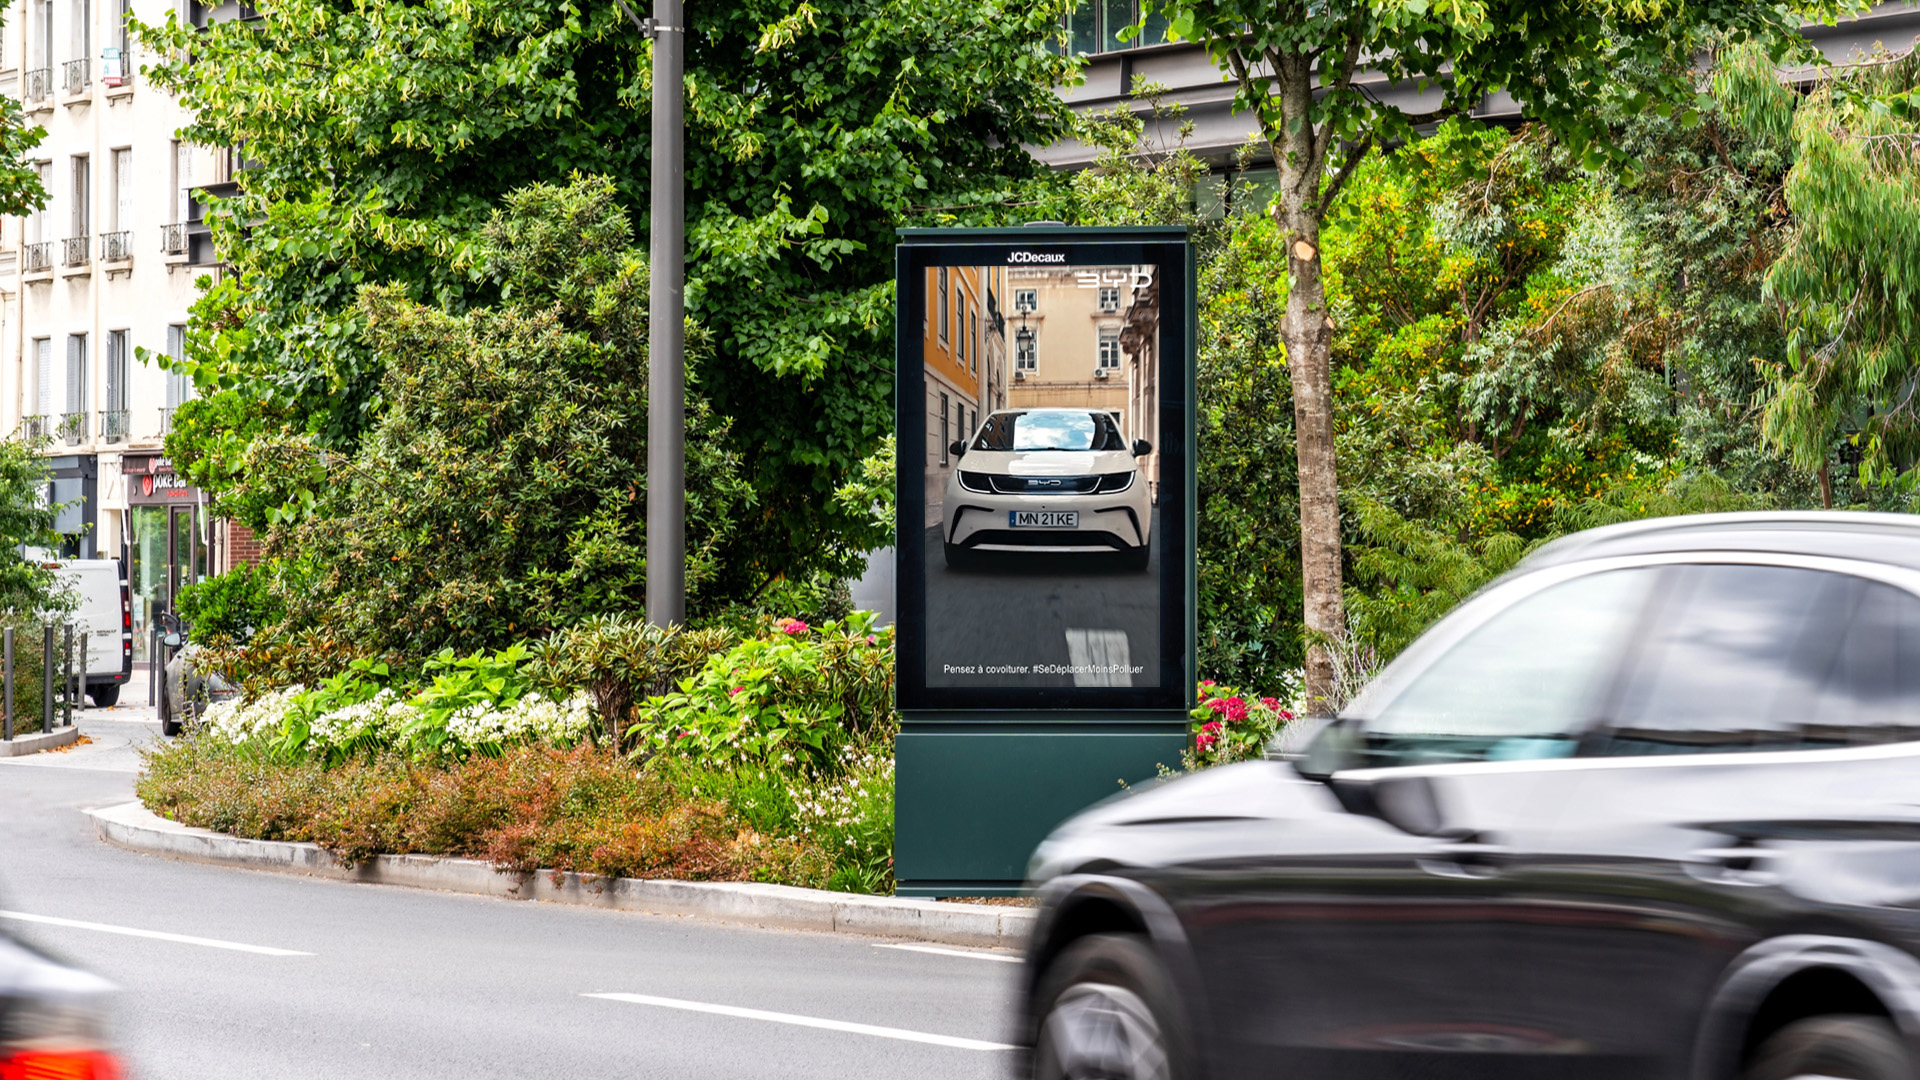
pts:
[1037, 257]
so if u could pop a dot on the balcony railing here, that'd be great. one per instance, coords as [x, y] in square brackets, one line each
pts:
[33, 427]
[37, 257]
[37, 86]
[75, 253]
[116, 246]
[76, 75]
[114, 425]
[73, 428]
[173, 239]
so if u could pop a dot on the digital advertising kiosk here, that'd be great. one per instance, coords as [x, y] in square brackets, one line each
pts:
[1045, 627]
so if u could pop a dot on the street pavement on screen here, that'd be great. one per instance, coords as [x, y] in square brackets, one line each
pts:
[1040, 610]
[242, 975]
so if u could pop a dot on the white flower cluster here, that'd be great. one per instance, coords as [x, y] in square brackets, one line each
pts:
[837, 804]
[383, 719]
[533, 718]
[237, 721]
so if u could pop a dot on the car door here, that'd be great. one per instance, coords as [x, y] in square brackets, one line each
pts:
[1351, 948]
[1662, 862]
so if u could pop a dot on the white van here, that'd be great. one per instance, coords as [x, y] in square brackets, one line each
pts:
[106, 614]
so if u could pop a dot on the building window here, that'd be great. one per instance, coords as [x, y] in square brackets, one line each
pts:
[116, 371]
[182, 182]
[179, 385]
[82, 196]
[37, 221]
[1109, 350]
[942, 286]
[76, 373]
[1026, 300]
[1109, 298]
[43, 375]
[82, 29]
[973, 335]
[1025, 353]
[946, 433]
[121, 212]
[1095, 27]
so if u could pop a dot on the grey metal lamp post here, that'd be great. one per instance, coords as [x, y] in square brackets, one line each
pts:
[666, 322]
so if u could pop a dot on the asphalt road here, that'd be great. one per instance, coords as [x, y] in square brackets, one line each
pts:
[1041, 610]
[396, 984]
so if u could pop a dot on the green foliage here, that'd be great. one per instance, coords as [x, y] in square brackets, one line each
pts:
[1230, 726]
[619, 661]
[380, 137]
[501, 495]
[794, 699]
[27, 519]
[1849, 273]
[231, 607]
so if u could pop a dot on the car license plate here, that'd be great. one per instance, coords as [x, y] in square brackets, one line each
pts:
[1043, 519]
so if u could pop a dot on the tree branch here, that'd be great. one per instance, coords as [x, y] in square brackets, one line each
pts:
[1323, 139]
[1355, 154]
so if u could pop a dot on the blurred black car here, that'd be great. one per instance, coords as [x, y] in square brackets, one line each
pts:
[52, 1019]
[1647, 807]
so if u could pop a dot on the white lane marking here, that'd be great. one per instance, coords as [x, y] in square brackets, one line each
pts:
[806, 1021]
[1099, 657]
[157, 935]
[938, 951]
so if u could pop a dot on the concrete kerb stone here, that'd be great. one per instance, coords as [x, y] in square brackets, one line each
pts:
[38, 741]
[130, 825]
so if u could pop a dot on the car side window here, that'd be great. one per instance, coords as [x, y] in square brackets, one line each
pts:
[1768, 658]
[1523, 684]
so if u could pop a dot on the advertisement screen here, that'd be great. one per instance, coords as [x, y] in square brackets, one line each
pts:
[1042, 521]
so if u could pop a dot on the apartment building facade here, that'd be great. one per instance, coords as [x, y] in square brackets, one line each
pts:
[105, 271]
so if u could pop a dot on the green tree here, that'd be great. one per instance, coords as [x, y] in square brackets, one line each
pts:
[501, 494]
[1849, 273]
[376, 137]
[1297, 65]
[26, 519]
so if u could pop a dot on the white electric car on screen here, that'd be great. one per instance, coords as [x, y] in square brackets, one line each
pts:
[1048, 481]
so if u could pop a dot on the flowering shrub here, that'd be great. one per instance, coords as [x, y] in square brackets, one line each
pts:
[476, 705]
[851, 817]
[1233, 727]
[804, 695]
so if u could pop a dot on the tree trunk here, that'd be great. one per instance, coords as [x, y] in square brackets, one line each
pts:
[1307, 333]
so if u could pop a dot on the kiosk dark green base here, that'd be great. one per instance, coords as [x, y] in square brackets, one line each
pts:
[1044, 538]
[974, 798]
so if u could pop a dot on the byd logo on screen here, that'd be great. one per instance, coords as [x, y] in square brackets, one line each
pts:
[1037, 257]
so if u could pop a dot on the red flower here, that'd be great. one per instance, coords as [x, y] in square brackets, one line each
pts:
[870, 639]
[1236, 709]
[1211, 725]
[793, 626]
[1270, 702]
[1206, 682]
[1204, 742]
[1285, 715]
[735, 690]
[1218, 704]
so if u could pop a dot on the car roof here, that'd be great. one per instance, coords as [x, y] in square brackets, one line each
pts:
[1893, 539]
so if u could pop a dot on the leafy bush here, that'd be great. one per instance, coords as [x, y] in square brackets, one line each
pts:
[800, 696]
[1229, 727]
[529, 808]
[619, 661]
[231, 607]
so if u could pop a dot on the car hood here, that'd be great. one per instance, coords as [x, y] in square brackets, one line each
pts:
[1047, 462]
[1218, 812]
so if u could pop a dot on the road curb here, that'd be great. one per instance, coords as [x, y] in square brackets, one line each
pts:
[131, 825]
[21, 745]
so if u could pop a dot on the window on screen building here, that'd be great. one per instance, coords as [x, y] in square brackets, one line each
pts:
[1095, 26]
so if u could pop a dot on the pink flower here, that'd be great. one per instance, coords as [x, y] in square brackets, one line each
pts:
[1285, 714]
[1218, 704]
[1211, 725]
[871, 639]
[793, 626]
[1204, 742]
[1270, 702]
[735, 690]
[1206, 682]
[686, 735]
[1236, 709]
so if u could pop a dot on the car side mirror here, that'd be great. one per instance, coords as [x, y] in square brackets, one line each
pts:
[957, 448]
[1141, 448]
[1408, 803]
[1336, 746]
[171, 641]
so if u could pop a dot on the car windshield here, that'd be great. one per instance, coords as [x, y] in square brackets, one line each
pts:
[1050, 429]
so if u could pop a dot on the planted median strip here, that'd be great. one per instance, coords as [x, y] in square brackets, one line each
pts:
[875, 1030]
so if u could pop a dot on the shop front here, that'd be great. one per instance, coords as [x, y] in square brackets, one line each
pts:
[167, 540]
